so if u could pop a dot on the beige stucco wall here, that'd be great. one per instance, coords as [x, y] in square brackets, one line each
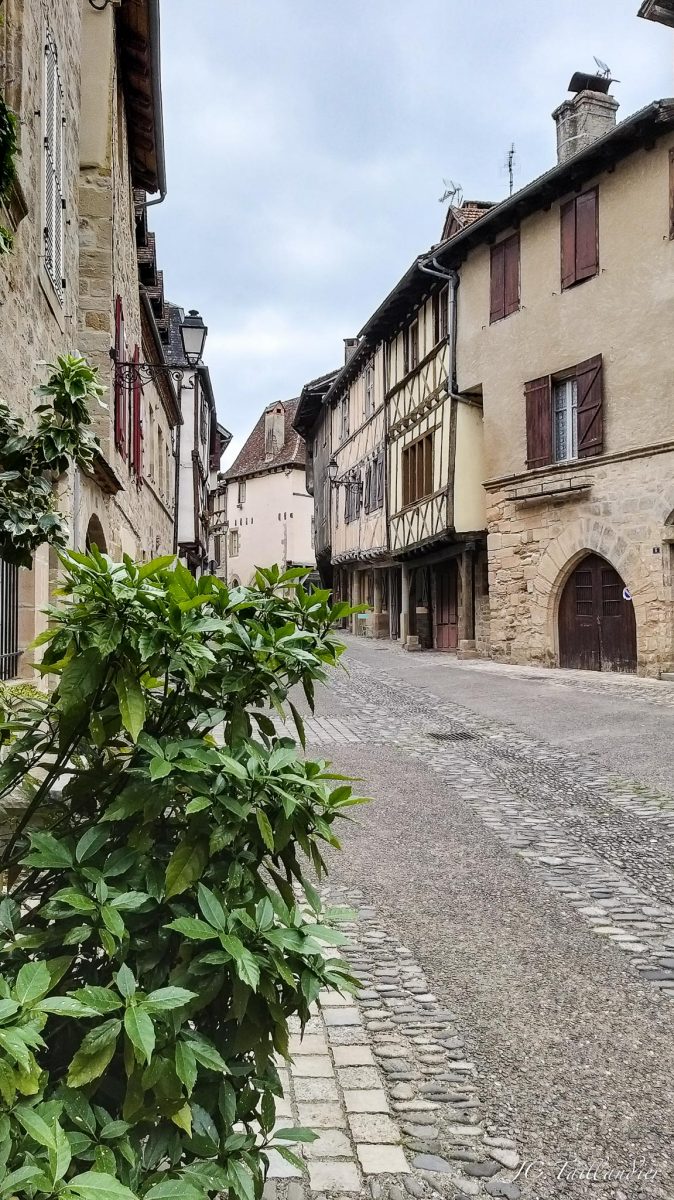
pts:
[273, 523]
[625, 313]
[470, 507]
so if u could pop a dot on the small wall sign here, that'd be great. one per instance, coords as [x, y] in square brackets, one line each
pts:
[627, 595]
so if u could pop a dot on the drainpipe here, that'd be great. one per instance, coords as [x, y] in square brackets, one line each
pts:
[176, 454]
[451, 277]
[155, 50]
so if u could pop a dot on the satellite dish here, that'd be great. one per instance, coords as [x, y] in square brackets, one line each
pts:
[603, 68]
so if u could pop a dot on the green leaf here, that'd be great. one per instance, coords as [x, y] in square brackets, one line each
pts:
[112, 921]
[12, 1183]
[192, 928]
[298, 1134]
[103, 1000]
[242, 1181]
[186, 1066]
[174, 1189]
[96, 1185]
[198, 805]
[183, 1119]
[125, 981]
[140, 1031]
[245, 963]
[95, 1053]
[167, 999]
[32, 982]
[156, 565]
[160, 767]
[35, 1127]
[265, 828]
[60, 1157]
[212, 908]
[79, 680]
[66, 1006]
[185, 866]
[206, 1054]
[47, 851]
[129, 901]
[291, 1158]
[8, 1008]
[91, 842]
[131, 702]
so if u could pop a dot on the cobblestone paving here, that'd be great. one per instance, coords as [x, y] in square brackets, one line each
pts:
[385, 1083]
[608, 848]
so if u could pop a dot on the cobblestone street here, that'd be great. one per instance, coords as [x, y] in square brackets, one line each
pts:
[512, 888]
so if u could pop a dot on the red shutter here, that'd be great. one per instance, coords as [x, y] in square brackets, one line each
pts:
[137, 419]
[497, 300]
[590, 407]
[538, 397]
[511, 275]
[120, 389]
[587, 235]
[568, 242]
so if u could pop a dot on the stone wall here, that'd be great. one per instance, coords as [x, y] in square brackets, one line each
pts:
[36, 325]
[534, 545]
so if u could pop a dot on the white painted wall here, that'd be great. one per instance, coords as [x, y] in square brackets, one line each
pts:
[273, 523]
[187, 445]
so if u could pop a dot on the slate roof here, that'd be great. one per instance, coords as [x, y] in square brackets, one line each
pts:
[175, 355]
[251, 458]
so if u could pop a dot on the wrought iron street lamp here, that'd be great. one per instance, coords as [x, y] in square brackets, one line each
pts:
[355, 486]
[193, 334]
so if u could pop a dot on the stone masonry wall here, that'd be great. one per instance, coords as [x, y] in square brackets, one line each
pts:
[533, 547]
[34, 325]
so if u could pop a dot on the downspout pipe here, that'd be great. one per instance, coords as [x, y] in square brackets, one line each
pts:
[155, 46]
[452, 280]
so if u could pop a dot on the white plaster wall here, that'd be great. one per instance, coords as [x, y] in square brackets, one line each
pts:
[273, 523]
[187, 445]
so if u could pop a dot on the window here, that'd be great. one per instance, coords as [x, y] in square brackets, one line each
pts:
[203, 424]
[374, 483]
[369, 389]
[505, 279]
[161, 462]
[217, 549]
[121, 381]
[579, 236]
[414, 345]
[53, 136]
[9, 620]
[417, 467]
[565, 420]
[233, 543]
[344, 417]
[353, 499]
[242, 491]
[564, 415]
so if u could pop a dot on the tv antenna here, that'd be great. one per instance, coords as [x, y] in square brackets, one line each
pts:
[510, 167]
[453, 192]
[603, 68]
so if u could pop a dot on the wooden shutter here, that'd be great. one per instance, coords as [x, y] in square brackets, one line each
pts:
[428, 465]
[568, 242]
[497, 299]
[368, 487]
[590, 407]
[511, 273]
[538, 398]
[587, 235]
[120, 388]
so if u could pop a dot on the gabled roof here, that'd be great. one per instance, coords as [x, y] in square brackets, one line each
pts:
[461, 215]
[311, 399]
[251, 458]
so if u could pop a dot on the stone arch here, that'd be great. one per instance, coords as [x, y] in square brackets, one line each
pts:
[235, 582]
[95, 535]
[584, 536]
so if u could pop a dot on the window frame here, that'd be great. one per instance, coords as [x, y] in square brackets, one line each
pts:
[502, 304]
[241, 492]
[573, 272]
[567, 388]
[417, 469]
[234, 544]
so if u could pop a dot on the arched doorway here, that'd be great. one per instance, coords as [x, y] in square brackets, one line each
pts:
[597, 629]
[95, 536]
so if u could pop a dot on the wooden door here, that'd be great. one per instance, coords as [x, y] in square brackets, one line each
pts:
[447, 607]
[597, 629]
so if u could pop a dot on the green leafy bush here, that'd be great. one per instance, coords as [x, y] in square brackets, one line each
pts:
[31, 461]
[162, 929]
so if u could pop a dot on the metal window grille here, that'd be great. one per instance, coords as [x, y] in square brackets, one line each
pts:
[9, 620]
[54, 123]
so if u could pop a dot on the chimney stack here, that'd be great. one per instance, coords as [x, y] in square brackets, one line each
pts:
[350, 347]
[585, 118]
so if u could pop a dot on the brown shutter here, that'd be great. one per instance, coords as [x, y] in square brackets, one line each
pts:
[538, 397]
[568, 242]
[511, 275]
[497, 300]
[590, 407]
[587, 235]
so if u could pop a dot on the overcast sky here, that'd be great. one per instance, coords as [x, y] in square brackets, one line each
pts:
[307, 142]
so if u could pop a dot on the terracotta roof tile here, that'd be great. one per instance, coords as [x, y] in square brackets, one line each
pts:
[460, 216]
[251, 458]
